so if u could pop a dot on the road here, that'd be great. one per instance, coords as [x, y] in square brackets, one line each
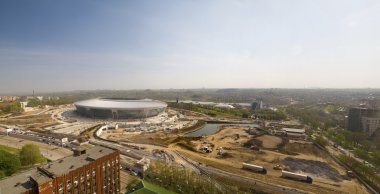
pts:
[174, 155]
[346, 152]
[133, 153]
[50, 152]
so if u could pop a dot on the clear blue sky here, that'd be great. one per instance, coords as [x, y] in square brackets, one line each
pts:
[68, 45]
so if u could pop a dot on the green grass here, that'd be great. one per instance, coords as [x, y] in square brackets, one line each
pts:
[10, 149]
[144, 191]
[156, 188]
[149, 188]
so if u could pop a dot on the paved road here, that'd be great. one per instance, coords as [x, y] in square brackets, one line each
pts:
[133, 153]
[174, 155]
[51, 152]
[346, 152]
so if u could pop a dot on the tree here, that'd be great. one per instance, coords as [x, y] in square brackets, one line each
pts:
[30, 154]
[11, 107]
[9, 163]
[322, 141]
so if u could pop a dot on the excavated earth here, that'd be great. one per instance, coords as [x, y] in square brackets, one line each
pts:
[316, 168]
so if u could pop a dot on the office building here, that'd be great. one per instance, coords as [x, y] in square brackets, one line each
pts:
[363, 120]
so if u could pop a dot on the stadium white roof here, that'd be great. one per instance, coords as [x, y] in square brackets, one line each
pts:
[119, 103]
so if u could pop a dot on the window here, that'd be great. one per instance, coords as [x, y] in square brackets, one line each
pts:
[60, 188]
[68, 185]
[75, 181]
[53, 189]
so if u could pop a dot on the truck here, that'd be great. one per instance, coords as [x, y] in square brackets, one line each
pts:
[255, 168]
[296, 176]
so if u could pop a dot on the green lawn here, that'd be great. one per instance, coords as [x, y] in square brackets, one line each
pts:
[144, 191]
[157, 189]
[149, 188]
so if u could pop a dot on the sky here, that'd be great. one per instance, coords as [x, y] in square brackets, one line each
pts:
[68, 45]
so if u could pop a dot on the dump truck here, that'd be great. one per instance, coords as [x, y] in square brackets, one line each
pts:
[296, 176]
[255, 168]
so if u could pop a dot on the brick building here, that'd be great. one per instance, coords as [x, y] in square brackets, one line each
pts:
[93, 171]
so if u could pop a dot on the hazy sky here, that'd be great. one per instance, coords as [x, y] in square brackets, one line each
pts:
[68, 45]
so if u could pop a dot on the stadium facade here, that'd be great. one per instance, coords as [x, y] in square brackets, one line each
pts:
[119, 108]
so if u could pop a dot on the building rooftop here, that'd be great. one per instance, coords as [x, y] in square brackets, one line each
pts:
[18, 183]
[291, 130]
[60, 167]
[118, 103]
[23, 181]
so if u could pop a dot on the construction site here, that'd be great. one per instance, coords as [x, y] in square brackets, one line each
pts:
[232, 146]
[219, 150]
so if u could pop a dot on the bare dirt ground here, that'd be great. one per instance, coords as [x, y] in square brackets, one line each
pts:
[138, 137]
[269, 141]
[31, 122]
[329, 177]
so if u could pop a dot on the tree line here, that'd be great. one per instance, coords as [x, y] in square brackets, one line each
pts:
[51, 102]
[10, 107]
[11, 163]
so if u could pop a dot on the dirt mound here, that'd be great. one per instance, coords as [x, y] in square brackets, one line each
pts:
[269, 141]
[253, 142]
[319, 169]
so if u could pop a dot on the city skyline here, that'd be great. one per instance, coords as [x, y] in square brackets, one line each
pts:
[89, 45]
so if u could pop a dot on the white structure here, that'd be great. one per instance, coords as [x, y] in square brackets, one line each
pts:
[222, 105]
[119, 108]
[101, 129]
[9, 131]
[141, 166]
[255, 168]
[296, 176]
[295, 133]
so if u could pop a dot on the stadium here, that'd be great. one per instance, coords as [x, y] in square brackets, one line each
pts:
[119, 108]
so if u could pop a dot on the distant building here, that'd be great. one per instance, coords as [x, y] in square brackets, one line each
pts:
[255, 106]
[363, 120]
[96, 170]
[223, 105]
[8, 98]
[292, 130]
[40, 97]
[295, 133]
[23, 104]
[370, 125]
